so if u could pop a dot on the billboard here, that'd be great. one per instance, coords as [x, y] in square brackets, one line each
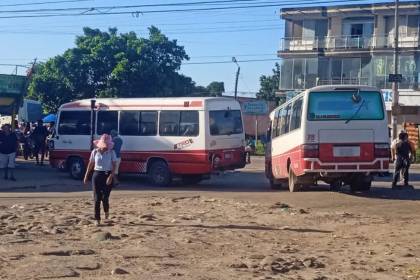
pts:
[12, 90]
[259, 107]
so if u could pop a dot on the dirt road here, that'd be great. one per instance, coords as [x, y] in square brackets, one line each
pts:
[231, 227]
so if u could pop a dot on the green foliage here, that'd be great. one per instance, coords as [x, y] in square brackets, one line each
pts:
[216, 88]
[259, 149]
[269, 85]
[108, 64]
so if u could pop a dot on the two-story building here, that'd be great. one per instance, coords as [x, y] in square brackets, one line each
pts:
[352, 44]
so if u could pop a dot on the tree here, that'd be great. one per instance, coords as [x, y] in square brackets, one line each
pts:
[269, 85]
[216, 88]
[108, 64]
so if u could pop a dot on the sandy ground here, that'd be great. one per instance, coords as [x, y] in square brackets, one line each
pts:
[232, 227]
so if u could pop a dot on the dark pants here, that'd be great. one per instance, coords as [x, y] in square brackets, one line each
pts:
[39, 149]
[101, 192]
[401, 166]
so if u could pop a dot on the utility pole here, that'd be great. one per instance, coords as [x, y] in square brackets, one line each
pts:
[395, 98]
[237, 76]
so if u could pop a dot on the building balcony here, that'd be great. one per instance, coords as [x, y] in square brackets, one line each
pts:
[381, 82]
[334, 43]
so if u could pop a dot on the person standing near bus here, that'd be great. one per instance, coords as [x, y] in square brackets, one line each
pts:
[102, 162]
[402, 154]
[118, 142]
[8, 148]
[39, 136]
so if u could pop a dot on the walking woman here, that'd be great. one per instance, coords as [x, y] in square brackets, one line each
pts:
[102, 162]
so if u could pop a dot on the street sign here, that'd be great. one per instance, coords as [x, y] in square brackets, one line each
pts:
[255, 108]
[392, 78]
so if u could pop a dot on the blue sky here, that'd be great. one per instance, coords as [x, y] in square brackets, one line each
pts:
[207, 36]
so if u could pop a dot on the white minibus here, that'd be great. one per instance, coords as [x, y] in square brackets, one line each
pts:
[335, 134]
[163, 137]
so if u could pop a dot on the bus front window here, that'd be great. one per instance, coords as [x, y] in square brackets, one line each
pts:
[225, 122]
[334, 106]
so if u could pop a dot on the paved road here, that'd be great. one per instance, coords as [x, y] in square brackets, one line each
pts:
[42, 183]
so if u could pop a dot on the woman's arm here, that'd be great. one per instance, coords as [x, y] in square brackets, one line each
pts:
[88, 170]
[111, 176]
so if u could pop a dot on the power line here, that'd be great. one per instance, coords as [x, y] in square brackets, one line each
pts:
[14, 65]
[181, 4]
[138, 13]
[228, 61]
[174, 24]
[236, 55]
[42, 3]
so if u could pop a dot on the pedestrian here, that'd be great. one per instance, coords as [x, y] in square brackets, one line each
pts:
[51, 135]
[102, 162]
[39, 136]
[8, 147]
[118, 142]
[402, 153]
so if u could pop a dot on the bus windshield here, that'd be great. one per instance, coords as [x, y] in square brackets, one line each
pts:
[332, 106]
[225, 122]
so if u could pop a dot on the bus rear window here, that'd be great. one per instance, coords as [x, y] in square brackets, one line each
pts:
[225, 122]
[333, 106]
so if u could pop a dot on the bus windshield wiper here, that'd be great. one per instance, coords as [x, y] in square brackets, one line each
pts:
[355, 113]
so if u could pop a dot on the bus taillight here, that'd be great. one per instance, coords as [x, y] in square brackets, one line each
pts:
[310, 151]
[382, 150]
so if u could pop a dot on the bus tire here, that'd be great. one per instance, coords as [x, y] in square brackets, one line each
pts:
[293, 185]
[76, 168]
[360, 183]
[276, 184]
[191, 179]
[159, 173]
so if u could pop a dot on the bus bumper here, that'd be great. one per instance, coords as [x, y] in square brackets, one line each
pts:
[315, 165]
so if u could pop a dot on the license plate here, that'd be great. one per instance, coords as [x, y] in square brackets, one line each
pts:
[352, 151]
[228, 156]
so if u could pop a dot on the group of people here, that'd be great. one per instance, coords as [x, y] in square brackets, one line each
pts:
[26, 139]
[33, 139]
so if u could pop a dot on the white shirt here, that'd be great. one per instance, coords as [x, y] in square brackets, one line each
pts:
[103, 161]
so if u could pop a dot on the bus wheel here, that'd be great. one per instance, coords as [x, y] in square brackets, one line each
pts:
[293, 186]
[191, 179]
[76, 168]
[360, 183]
[276, 184]
[159, 173]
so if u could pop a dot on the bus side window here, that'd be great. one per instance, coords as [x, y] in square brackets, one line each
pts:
[268, 134]
[287, 118]
[274, 126]
[296, 115]
[189, 123]
[107, 121]
[169, 123]
[74, 123]
[129, 123]
[148, 123]
[278, 126]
